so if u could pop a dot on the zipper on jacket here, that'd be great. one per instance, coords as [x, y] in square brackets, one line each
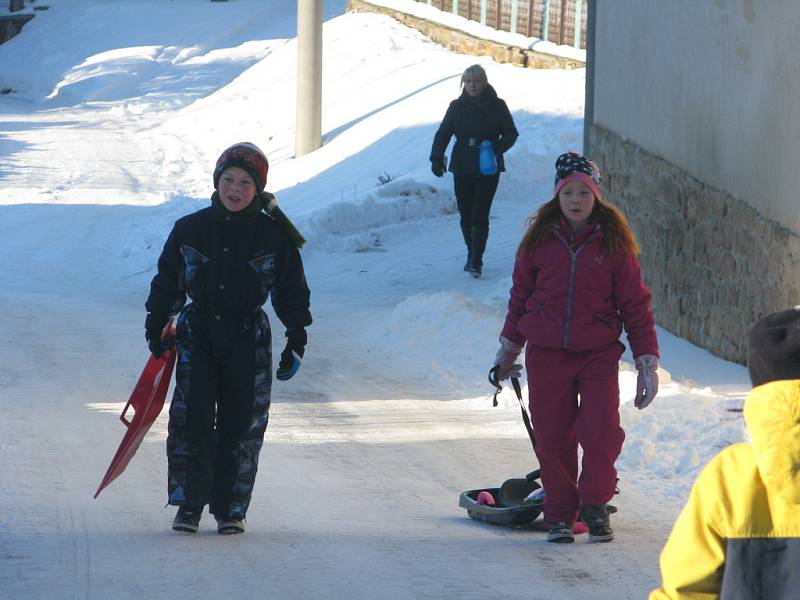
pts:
[571, 288]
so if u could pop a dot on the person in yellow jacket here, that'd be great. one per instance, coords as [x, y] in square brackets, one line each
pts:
[738, 536]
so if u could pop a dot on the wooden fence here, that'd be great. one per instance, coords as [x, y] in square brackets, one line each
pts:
[557, 21]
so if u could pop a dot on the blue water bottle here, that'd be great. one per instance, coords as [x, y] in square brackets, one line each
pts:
[487, 161]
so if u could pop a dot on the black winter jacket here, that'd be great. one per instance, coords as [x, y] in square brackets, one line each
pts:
[229, 265]
[472, 120]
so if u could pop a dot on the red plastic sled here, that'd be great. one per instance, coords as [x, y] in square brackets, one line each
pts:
[147, 400]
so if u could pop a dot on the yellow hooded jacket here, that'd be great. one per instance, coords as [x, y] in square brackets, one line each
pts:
[739, 534]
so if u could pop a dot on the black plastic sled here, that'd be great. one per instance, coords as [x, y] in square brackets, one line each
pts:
[516, 502]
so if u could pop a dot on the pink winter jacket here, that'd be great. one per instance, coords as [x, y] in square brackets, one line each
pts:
[570, 294]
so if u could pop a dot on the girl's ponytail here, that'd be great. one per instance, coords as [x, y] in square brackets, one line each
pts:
[619, 237]
[539, 226]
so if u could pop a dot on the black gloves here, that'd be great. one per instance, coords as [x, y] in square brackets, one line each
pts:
[296, 340]
[153, 329]
[437, 167]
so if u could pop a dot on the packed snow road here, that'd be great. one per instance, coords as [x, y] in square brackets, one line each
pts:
[358, 487]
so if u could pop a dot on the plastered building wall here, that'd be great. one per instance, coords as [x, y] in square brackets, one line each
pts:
[696, 124]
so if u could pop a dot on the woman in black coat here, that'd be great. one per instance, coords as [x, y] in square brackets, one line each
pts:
[476, 115]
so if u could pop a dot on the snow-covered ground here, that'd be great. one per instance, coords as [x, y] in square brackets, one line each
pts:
[118, 112]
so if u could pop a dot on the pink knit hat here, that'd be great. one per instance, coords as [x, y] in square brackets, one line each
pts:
[572, 166]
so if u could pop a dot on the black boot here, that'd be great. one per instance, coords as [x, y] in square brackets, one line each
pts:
[468, 241]
[596, 519]
[560, 533]
[188, 519]
[230, 525]
[479, 234]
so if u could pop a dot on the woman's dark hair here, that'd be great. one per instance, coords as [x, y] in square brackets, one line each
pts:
[619, 237]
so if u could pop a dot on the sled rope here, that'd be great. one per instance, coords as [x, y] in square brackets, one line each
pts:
[518, 392]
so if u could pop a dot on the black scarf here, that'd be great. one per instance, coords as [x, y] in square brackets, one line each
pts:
[482, 101]
[266, 202]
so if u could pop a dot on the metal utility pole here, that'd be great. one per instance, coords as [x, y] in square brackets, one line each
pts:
[309, 76]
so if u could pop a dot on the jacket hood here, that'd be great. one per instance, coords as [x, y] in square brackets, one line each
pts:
[772, 414]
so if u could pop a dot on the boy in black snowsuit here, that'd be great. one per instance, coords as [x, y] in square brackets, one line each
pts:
[227, 258]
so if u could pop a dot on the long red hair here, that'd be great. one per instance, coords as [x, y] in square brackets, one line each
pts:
[618, 237]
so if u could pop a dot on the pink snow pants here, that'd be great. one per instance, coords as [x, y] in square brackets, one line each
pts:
[556, 381]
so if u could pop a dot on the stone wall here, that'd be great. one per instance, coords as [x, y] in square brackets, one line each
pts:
[713, 264]
[464, 43]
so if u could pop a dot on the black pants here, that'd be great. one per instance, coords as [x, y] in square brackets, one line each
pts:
[219, 411]
[474, 196]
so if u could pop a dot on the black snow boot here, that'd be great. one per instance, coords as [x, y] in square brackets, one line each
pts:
[595, 517]
[230, 525]
[478, 236]
[468, 241]
[560, 533]
[188, 519]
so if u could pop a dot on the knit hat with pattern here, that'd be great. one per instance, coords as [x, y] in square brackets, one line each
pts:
[572, 166]
[774, 351]
[247, 156]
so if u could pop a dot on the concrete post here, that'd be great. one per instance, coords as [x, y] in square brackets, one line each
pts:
[578, 14]
[588, 106]
[514, 10]
[546, 21]
[309, 76]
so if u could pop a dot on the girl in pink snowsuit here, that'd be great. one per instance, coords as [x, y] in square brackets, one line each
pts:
[576, 283]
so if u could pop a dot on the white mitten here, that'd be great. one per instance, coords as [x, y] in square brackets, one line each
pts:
[506, 358]
[646, 381]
